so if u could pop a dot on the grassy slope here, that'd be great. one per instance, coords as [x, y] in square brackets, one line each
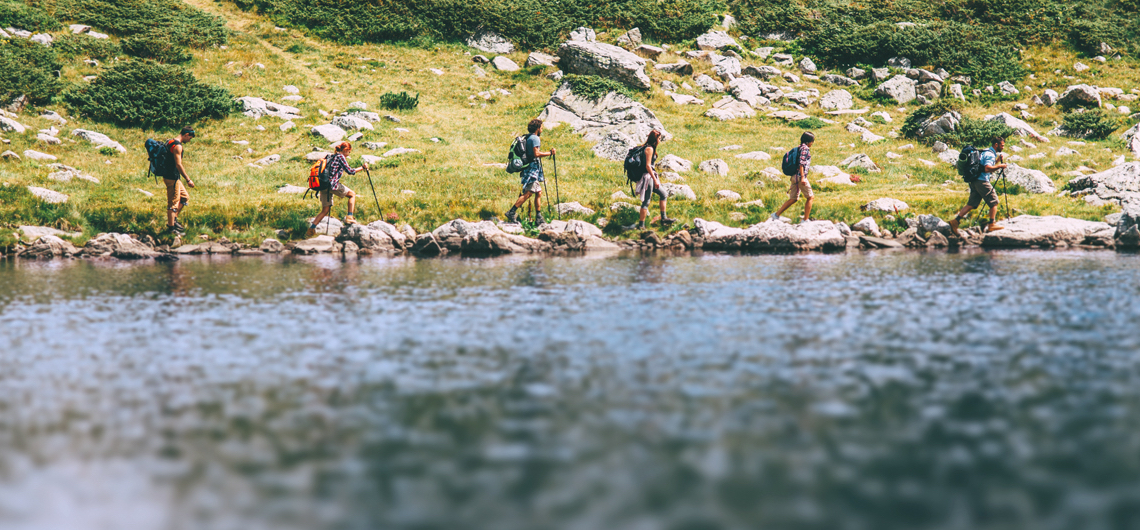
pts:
[448, 177]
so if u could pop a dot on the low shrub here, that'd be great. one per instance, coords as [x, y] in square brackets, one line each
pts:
[593, 87]
[620, 219]
[174, 20]
[28, 68]
[1093, 124]
[809, 123]
[401, 101]
[15, 14]
[149, 94]
[86, 46]
[975, 132]
[154, 46]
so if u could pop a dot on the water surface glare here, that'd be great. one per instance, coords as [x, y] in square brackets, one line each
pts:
[872, 391]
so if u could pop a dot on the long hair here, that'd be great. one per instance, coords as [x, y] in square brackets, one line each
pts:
[653, 139]
[342, 147]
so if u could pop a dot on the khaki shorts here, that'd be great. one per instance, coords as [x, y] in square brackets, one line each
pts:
[533, 187]
[340, 191]
[980, 191]
[799, 186]
[176, 196]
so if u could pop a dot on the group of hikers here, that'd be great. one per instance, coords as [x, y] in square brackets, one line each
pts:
[640, 171]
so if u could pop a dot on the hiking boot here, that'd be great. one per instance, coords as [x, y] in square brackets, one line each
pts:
[993, 227]
[954, 227]
[311, 232]
[666, 221]
[177, 228]
[774, 217]
[539, 219]
[513, 217]
[349, 220]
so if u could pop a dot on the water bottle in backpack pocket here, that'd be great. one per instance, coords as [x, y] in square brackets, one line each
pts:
[970, 164]
[635, 164]
[791, 163]
[517, 159]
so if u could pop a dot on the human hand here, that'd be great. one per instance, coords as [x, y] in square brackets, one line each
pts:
[551, 151]
[190, 183]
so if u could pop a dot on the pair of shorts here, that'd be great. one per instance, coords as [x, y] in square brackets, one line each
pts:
[799, 186]
[340, 191]
[982, 191]
[534, 187]
[176, 196]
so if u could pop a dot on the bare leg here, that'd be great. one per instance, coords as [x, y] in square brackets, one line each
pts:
[644, 211]
[522, 199]
[807, 208]
[351, 202]
[538, 201]
[320, 216]
[787, 204]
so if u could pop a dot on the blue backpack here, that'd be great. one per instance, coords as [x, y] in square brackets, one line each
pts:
[158, 155]
[791, 166]
[970, 165]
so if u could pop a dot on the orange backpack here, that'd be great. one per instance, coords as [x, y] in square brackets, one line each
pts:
[319, 176]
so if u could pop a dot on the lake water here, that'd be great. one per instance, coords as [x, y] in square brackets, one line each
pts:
[987, 390]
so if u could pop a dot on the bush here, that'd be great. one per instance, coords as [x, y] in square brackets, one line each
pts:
[975, 132]
[16, 14]
[148, 94]
[29, 69]
[401, 101]
[85, 46]
[594, 88]
[154, 46]
[1086, 35]
[621, 218]
[809, 123]
[529, 24]
[1094, 124]
[174, 20]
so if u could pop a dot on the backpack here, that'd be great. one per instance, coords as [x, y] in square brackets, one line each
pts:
[319, 178]
[791, 165]
[517, 157]
[158, 155]
[635, 164]
[970, 165]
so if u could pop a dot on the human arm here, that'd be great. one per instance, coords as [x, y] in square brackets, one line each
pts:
[649, 154]
[998, 163]
[176, 153]
[539, 154]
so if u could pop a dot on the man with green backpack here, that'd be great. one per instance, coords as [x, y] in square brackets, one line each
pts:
[166, 162]
[531, 170]
[976, 168]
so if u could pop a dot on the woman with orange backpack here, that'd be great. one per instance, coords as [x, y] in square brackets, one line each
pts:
[336, 165]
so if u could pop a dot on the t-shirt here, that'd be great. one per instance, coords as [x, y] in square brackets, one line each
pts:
[532, 142]
[989, 158]
[805, 157]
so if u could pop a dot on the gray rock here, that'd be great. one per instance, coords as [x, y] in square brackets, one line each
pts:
[956, 92]
[708, 84]
[716, 40]
[376, 236]
[1048, 232]
[783, 59]
[315, 245]
[490, 42]
[41, 38]
[936, 125]
[753, 92]
[9, 125]
[1022, 128]
[574, 208]
[728, 108]
[583, 34]
[351, 122]
[121, 246]
[856, 73]
[755, 155]
[839, 80]
[268, 161]
[330, 132]
[630, 39]
[763, 72]
[879, 75]
[1127, 234]
[899, 88]
[867, 226]
[1031, 180]
[726, 68]
[898, 62]
[803, 97]
[272, 246]
[773, 236]
[680, 68]
[1080, 96]
[48, 196]
[595, 119]
[480, 59]
[931, 90]
[370, 117]
[674, 163]
[47, 247]
[504, 63]
[860, 161]
[1049, 97]
[614, 146]
[649, 52]
[715, 166]
[1007, 89]
[9, 155]
[678, 191]
[885, 205]
[807, 66]
[1118, 185]
[605, 60]
[256, 108]
[47, 139]
[836, 100]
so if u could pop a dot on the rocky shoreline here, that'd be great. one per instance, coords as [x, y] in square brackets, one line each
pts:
[489, 238]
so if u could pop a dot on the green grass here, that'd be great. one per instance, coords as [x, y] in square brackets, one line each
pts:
[449, 178]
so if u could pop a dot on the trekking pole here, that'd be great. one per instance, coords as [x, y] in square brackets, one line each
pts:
[547, 198]
[1005, 193]
[557, 196]
[379, 212]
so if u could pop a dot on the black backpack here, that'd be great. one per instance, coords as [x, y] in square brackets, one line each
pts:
[635, 164]
[158, 155]
[517, 157]
[970, 165]
[791, 165]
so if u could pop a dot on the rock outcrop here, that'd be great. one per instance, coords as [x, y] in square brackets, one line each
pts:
[596, 119]
[1026, 231]
[900, 88]
[1031, 180]
[773, 236]
[605, 60]
[1119, 185]
[120, 246]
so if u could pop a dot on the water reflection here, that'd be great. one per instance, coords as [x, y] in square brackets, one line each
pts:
[892, 390]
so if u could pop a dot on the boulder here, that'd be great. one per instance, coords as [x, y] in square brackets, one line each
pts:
[803, 97]
[1022, 128]
[678, 191]
[504, 63]
[807, 66]
[727, 195]
[729, 108]
[927, 224]
[31, 233]
[783, 59]
[775, 236]
[572, 208]
[630, 39]
[860, 161]
[885, 205]
[47, 247]
[879, 75]
[595, 119]
[1008, 89]
[938, 125]
[370, 117]
[754, 92]
[716, 40]
[937, 240]
[761, 72]
[671, 162]
[540, 59]
[98, 140]
[836, 100]
[956, 92]
[680, 68]
[315, 245]
[931, 91]
[684, 99]
[9, 155]
[351, 122]
[911, 238]
[272, 246]
[615, 145]
[867, 226]
[1080, 96]
[256, 108]
[1119, 185]
[715, 166]
[9, 125]
[839, 80]
[490, 42]
[121, 246]
[47, 139]
[48, 196]
[899, 88]
[605, 60]
[649, 52]
[1049, 97]
[377, 236]
[1051, 231]
[708, 84]
[1030, 180]
[726, 68]
[898, 62]
[869, 137]
[755, 155]
[330, 132]
[268, 161]
[583, 34]
[1127, 233]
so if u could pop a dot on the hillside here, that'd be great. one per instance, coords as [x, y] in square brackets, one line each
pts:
[468, 113]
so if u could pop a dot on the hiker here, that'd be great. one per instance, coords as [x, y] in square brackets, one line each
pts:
[981, 189]
[176, 196]
[337, 165]
[799, 181]
[531, 176]
[650, 183]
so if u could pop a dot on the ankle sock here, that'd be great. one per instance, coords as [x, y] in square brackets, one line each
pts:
[312, 225]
